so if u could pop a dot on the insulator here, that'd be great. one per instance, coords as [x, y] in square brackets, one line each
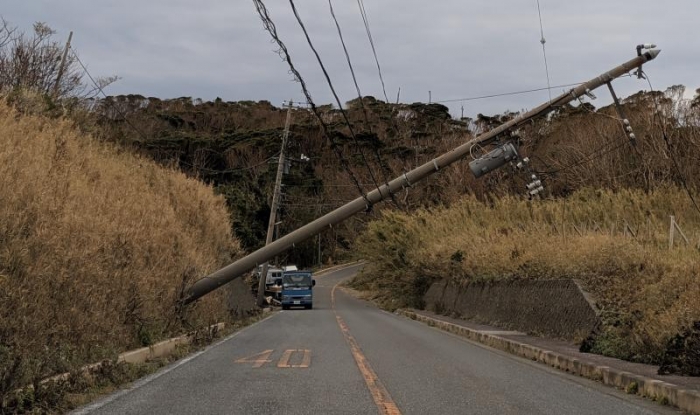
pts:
[534, 184]
[522, 163]
[632, 136]
[626, 121]
[629, 129]
[536, 191]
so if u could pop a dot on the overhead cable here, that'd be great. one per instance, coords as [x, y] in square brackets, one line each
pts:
[335, 95]
[365, 20]
[544, 51]
[504, 94]
[269, 26]
[383, 166]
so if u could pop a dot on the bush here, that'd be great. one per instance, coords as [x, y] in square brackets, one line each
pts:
[96, 247]
[615, 243]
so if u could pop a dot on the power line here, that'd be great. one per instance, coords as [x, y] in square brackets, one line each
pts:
[383, 167]
[544, 51]
[314, 206]
[606, 149]
[618, 119]
[504, 94]
[347, 57]
[335, 95]
[238, 169]
[269, 26]
[668, 144]
[365, 20]
[601, 151]
[326, 185]
[99, 88]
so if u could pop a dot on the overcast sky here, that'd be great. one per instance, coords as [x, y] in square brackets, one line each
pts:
[454, 48]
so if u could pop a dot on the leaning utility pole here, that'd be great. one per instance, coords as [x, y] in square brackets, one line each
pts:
[275, 205]
[236, 269]
[62, 67]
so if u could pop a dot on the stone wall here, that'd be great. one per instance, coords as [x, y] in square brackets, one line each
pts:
[552, 308]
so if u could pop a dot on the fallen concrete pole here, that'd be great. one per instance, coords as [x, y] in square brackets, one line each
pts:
[238, 268]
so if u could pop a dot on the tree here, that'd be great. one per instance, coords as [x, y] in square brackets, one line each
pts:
[31, 62]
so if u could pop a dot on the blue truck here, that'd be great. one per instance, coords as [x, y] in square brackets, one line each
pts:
[297, 289]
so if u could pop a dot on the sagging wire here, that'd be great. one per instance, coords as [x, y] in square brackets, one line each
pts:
[382, 164]
[270, 27]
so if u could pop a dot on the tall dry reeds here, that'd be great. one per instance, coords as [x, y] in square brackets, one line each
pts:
[615, 243]
[96, 246]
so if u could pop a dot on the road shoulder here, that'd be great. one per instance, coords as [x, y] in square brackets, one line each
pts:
[681, 392]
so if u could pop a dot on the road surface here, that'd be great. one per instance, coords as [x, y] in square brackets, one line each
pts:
[348, 357]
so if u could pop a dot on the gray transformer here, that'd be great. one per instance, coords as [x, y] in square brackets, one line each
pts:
[494, 159]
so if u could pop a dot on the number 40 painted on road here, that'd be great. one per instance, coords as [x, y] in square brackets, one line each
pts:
[258, 360]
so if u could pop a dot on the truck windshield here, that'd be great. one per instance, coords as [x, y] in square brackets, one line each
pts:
[297, 280]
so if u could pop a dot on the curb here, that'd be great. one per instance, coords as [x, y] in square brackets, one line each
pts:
[663, 392]
[163, 348]
[160, 349]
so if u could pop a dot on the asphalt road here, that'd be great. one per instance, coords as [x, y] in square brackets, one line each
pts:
[348, 357]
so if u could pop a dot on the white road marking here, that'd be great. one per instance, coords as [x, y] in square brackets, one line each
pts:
[148, 379]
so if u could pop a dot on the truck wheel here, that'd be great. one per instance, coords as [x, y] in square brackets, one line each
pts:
[309, 306]
[285, 307]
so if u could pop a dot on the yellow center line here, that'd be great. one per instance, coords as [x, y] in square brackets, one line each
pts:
[379, 393]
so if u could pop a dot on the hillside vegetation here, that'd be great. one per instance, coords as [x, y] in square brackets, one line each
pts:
[615, 243]
[96, 247]
[233, 145]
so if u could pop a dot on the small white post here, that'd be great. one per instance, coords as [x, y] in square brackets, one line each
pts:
[678, 228]
[671, 233]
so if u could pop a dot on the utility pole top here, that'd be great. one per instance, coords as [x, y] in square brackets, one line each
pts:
[62, 67]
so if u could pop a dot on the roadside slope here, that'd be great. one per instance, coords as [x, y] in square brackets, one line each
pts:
[614, 243]
[96, 245]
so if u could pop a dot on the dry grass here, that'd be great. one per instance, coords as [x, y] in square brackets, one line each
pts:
[647, 293]
[96, 246]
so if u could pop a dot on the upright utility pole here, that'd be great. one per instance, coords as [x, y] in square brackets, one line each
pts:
[319, 261]
[275, 204]
[62, 67]
[319, 250]
[236, 269]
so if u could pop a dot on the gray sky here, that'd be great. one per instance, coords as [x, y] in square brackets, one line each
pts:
[456, 49]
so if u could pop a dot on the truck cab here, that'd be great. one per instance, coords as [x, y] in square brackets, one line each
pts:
[274, 275]
[297, 289]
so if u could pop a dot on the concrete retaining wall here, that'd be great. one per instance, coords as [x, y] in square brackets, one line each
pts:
[553, 308]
